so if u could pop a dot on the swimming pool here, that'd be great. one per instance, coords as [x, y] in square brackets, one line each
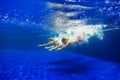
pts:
[25, 24]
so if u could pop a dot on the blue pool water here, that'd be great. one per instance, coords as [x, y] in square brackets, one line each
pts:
[24, 24]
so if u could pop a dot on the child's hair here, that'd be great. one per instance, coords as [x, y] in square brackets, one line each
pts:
[64, 40]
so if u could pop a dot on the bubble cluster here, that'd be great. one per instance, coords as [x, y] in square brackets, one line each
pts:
[71, 28]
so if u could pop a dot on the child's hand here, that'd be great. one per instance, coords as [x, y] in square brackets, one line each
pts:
[47, 47]
[50, 49]
[40, 45]
[59, 48]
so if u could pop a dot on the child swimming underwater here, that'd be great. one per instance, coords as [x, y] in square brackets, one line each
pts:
[57, 45]
[80, 34]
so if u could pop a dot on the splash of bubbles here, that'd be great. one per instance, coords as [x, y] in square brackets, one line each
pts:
[85, 31]
[72, 28]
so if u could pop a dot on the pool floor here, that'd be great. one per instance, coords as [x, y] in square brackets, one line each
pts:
[55, 65]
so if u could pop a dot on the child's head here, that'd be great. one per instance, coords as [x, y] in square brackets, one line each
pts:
[64, 40]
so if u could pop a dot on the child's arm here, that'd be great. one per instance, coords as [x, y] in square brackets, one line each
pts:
[45, 44]
[63, 46]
